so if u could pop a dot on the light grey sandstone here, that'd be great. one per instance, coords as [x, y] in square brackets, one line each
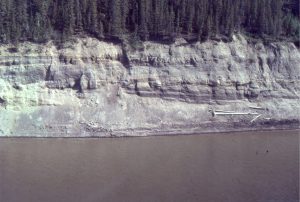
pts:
[94, 88]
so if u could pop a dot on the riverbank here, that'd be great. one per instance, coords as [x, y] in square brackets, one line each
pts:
[92, 88]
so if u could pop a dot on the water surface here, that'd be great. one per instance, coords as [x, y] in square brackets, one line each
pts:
[240, 167]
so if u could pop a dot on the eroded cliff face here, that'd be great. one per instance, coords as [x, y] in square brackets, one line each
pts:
[94, 88]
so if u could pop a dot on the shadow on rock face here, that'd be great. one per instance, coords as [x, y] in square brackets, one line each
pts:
[2, 102]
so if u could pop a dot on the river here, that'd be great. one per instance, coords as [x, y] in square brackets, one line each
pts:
[238, 167]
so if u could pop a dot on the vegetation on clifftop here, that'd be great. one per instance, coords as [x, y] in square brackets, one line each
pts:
[41, 20]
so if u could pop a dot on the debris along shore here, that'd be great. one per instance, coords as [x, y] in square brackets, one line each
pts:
[236, 113]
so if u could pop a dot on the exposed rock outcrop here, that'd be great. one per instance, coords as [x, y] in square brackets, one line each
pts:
[94, 88]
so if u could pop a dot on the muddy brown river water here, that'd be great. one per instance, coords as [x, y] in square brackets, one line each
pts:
[239, 167]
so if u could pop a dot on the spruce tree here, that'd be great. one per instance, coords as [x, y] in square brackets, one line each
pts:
[78, 16]
[142, 19]
[115, 18]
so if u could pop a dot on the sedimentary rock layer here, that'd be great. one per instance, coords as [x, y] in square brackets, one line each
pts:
[94, 88]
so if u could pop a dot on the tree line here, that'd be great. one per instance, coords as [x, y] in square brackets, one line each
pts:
[42, 20]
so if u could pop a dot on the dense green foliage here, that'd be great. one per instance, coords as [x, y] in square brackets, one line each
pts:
[41, 20]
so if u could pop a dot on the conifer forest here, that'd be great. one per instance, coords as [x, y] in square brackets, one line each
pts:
[42, 20]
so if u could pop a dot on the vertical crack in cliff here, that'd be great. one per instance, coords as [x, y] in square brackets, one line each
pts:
[261, 65]
[49, 76]
[124, 57]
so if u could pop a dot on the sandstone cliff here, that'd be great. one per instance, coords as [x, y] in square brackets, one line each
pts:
[94, 88]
